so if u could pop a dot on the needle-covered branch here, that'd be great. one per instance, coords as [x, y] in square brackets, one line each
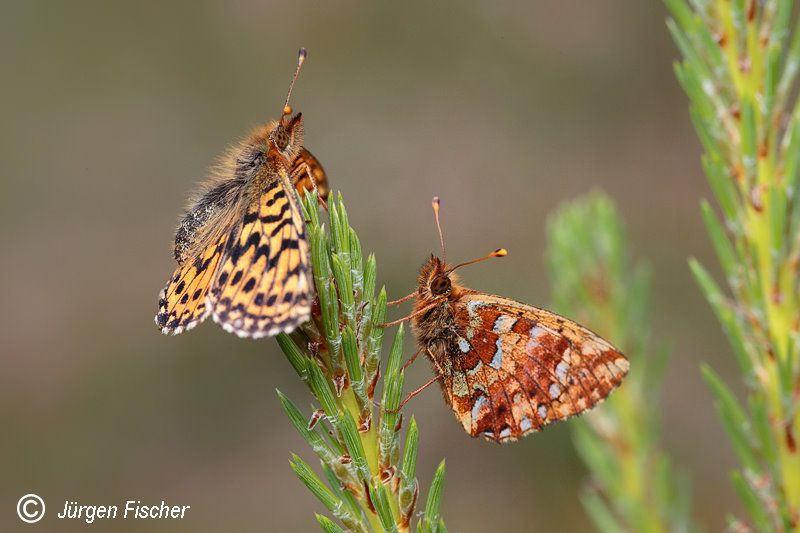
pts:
[740, 71]
[369, 485]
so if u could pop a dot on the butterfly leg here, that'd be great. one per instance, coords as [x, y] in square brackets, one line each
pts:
[314, 184]
[413, 357]
[414, 393]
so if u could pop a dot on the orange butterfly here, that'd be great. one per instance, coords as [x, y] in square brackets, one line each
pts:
[506, 368]
[241, 248]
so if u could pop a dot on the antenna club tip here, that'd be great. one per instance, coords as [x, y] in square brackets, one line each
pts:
[500, 252]
[435, 202]
[301, 55]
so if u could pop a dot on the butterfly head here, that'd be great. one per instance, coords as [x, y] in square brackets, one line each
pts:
[286, 136]
[436, 277]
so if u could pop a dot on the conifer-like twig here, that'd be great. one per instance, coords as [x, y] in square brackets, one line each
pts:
[368, 486]
[633, 486]
[740, 70]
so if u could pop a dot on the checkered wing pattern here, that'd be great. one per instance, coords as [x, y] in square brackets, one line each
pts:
[512, 368]
[264, 284]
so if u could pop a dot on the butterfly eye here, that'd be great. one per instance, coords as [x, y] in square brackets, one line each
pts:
[281, 138]
[440, 285]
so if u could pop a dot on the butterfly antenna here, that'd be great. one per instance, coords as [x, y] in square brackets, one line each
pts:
[435, 203]
[500, 252]
[301, 57]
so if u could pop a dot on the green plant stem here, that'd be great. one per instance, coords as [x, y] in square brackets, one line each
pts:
[747, 74]
[633, 487]
[367, 486]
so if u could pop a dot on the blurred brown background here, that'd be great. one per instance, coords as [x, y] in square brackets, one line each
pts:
[112, 111]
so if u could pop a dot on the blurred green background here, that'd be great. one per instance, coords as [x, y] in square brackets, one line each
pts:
[111, 112]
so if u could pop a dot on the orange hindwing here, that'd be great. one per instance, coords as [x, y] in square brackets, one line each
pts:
[182, 303]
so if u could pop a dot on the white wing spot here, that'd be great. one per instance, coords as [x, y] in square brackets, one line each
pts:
[555, 390]
[622, 366]
[463, 345]
[473, 305]
[561, 371]
[480, 401]
[505, 433]
[534, 333]
[497, 360]
[542, 412]
[525, 424]
[503, 324]
[589, 348]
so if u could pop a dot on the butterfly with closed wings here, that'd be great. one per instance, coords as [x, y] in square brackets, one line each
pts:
[506, 368]
[241, 248]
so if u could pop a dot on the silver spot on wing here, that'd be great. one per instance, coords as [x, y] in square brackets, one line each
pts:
[542, 412]
[555, 390]
[497, 360]
[503, 324]
[561, 371]
[480, 401]
[473, 306]
[534, 333]
[463, 345]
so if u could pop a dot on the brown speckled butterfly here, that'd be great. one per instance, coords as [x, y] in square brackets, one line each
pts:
[506, 368]
[241, 248]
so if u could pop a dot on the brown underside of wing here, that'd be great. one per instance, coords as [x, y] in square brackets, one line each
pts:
[512, 368]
